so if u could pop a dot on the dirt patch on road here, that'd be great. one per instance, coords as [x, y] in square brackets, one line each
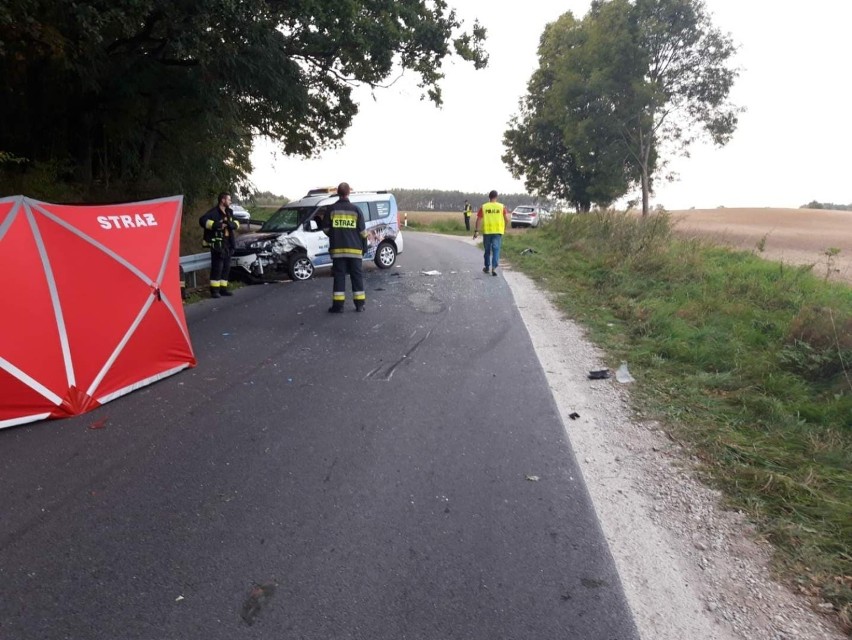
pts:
[792, 236]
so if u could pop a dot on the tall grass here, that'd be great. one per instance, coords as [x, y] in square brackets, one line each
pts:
[747, 360]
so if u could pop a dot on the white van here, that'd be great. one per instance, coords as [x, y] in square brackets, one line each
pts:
[291, 241]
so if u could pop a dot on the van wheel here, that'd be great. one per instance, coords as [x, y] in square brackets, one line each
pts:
[301, 267]
[385, 255]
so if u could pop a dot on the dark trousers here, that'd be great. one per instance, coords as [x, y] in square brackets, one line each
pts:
[355, 268]
[467, 222]
[220, 265]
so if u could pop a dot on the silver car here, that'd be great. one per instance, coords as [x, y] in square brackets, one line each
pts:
[529, 215]
[240, 213]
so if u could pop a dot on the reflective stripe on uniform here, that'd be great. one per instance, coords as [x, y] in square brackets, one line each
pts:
[359, 295]
[338, 296]
[347, 252]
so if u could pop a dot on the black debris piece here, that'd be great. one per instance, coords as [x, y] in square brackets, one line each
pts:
[600, 374]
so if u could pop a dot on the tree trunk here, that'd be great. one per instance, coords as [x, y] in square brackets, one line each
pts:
[646, 177]
[151, 135]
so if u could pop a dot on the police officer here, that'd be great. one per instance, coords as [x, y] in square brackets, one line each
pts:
[346, 229]
[468, 210]
[219, 231]
[494, 217]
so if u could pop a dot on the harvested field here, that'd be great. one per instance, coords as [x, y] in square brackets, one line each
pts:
[793, 236]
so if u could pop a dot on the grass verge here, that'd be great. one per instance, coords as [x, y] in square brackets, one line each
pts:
[748, 362]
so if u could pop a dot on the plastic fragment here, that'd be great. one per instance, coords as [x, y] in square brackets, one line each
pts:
[623, 375]
[600, 374]
[532, 478]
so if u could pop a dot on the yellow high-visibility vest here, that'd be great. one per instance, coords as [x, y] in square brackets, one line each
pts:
[492, 218]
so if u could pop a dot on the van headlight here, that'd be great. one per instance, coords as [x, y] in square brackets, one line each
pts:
[260, 245]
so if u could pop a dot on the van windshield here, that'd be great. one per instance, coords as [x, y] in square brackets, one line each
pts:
[287, 219]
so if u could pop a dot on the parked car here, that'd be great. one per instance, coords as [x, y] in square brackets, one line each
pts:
[292, 241]
[529, 215]
[241, 215]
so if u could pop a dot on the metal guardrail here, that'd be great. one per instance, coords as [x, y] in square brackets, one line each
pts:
[190, 265]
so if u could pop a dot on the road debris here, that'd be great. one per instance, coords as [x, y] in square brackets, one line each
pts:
[623, 375]
[98, 424]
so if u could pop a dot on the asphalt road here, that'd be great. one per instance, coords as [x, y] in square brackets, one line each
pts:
[400, 473]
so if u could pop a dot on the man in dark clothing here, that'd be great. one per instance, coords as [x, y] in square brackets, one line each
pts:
[219, 230]
[346, 230]
[467, 211]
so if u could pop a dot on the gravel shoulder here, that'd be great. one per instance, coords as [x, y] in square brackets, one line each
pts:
[690, 568]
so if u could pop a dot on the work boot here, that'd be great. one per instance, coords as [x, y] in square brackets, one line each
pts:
[336, 308]
[484, 269]
[214, 292]
[359, 307]
[225, 292]
[493, 273]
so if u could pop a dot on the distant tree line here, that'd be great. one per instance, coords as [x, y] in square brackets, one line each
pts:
[267, 198]
[437, 200]
[813, 204]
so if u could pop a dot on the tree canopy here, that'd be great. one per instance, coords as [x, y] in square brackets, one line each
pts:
[613, 92]
[138, 97]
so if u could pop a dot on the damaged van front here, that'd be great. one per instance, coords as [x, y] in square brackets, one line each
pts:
[292, 242]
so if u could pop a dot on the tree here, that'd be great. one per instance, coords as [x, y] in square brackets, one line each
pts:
[686, 84]
[145, 96]
[613, 90]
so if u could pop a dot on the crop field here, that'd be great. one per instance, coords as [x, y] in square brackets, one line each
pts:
[792, 236]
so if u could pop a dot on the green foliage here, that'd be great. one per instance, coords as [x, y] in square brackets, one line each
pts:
[813, 204]
[267, 198]
[747, 360]
[136, 98]
[611, 89]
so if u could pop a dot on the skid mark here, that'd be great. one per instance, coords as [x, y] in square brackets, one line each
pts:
[385, 373]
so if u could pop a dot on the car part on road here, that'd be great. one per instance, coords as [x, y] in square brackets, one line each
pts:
[600, 374]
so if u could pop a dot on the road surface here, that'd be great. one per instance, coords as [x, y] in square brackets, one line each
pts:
[400, 473]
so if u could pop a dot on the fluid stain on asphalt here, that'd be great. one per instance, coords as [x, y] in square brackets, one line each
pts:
[591, 583]
[257, 599]
[426, 303]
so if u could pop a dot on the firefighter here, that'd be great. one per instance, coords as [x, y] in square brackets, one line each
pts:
[219, 231]
[346, 229]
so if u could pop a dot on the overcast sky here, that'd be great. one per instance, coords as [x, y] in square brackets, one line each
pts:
[792, 145]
